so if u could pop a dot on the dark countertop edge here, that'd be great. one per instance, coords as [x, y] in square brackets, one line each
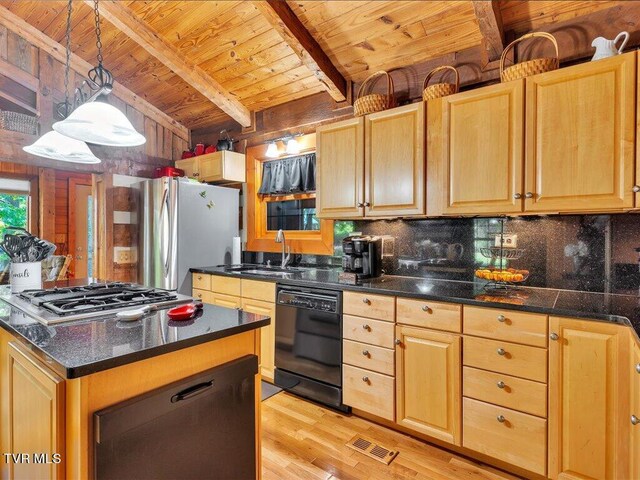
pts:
[602, 317]
[73, 372]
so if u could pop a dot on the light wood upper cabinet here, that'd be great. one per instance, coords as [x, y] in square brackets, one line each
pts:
[475, 151]
[394, 162]
[219, 167]
[36, 415]
[635, 410]
[190, 166]
[340, 169]
[428, 385]
[580, 124]
[589, 395]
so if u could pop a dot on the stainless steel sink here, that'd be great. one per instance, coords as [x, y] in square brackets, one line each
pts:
[266, 271]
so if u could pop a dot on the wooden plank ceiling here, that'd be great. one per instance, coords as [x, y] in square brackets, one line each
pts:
[236, 45]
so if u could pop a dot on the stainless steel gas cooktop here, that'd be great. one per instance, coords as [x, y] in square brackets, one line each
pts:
[88, 301]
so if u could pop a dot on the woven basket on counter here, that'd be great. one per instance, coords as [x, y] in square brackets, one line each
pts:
[530, 67]
[438, 90]
[18, 122]
[374, 102]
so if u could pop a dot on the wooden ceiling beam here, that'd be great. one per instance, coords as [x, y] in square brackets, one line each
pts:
[288, 25]
[140, 32]
[490, 23]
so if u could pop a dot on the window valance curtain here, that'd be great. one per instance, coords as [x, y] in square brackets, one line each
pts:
[289, 175]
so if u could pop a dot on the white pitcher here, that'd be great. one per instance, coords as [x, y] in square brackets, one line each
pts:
[607, 48]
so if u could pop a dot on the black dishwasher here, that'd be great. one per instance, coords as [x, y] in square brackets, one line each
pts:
[202, 427]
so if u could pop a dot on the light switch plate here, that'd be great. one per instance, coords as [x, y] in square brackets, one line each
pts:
[125, 255]
[509, 240]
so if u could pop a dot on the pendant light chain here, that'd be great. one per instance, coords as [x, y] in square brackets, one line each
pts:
[67, 66]
[98, 32]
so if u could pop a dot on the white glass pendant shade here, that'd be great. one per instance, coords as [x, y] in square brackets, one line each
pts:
[101, 124]
[272, 150]
[293, 147]
[59, 147]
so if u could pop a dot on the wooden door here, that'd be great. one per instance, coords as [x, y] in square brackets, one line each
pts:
[267, 335]
[580, 124]
[588, 399]
[482, 150]
[428, 392]
[635, 409]
[36, 416]
[79, 225]
[394, 162]
[340, 169]
[190, 167]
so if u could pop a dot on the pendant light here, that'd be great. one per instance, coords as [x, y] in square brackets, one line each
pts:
[54, 145]
[98, 122]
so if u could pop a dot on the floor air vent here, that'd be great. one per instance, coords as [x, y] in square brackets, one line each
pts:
[372, 450]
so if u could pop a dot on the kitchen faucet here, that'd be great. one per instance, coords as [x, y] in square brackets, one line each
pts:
[281, 239]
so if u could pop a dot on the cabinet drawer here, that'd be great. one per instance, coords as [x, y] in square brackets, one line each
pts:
[379, 307]
[373, 358]
[519, 439]
[225, 285]
[505, 391]
[424, 313]
[201, 281]
[503, 357]
[365, 330]
[257, 290]
[517, 327]
[368, 391]
[202, 295]
[227, 301]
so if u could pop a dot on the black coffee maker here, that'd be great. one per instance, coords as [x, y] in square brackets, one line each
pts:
[362, 257]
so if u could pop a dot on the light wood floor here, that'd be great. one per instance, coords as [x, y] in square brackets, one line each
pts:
[301, 440]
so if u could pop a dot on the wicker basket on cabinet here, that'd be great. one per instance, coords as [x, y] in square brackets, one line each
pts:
[18, 122]
[438, 90]
[530, 67]
[374, 102]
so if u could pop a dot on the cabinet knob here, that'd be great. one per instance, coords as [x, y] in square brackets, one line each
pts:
[366, 301]
[501, 418]
[365, 379]
[502, 318]
[501, 351]
[426, 308]
[199, 277]
[367, 204]
[634, 420]
[366, 353]
[517, 196]
[366, 327]
[528, 195]
[501, 384]
[360, 205]
[638, 367]
[636, 188]
[196, 174]
[199, 295]
[397, 341]
[554, 336]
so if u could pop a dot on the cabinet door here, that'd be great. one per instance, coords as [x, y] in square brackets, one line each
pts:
[588, 399]
[190, 167]
[482, 151]
[394, 162]
[227, 301]
[267, 335]
[580, 125]
[36, 415]
[428, 388]
[635, 411]
[340, 169]
[211, 167]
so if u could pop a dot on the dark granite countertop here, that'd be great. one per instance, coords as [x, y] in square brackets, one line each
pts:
[83, 347]
[616, 308]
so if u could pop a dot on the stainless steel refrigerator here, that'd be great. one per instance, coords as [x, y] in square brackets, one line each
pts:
[182, 224]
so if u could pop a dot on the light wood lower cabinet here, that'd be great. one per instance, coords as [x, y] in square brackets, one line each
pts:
[36, 416]
[267, 334]
[227, 301]
[589, 394]
[428, 388]
[635, 410]
[368, 391]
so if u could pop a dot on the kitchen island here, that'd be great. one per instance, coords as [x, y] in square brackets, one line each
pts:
[55, 377]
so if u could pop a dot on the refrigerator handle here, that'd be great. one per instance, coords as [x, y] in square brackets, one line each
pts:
[168, 233]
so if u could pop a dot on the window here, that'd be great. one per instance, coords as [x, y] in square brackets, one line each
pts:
[292, 215]
[14, 206]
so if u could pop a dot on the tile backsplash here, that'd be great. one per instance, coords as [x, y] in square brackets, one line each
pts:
[578, 252]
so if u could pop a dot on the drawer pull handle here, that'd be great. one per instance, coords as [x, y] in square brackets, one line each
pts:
[554, 336]
[366, 353]
[426, 308]
[502, 352]
[365, 379]
[199, 277]
[501, 418]
[638, 367]
[634, 420]
[366, 301]
[366, 327]
[502, 318]
[501, 384]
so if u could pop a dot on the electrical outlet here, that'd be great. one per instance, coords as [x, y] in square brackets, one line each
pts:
[507, 240]
[125, 255]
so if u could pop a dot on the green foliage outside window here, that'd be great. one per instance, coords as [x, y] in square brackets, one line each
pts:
[14, 209]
